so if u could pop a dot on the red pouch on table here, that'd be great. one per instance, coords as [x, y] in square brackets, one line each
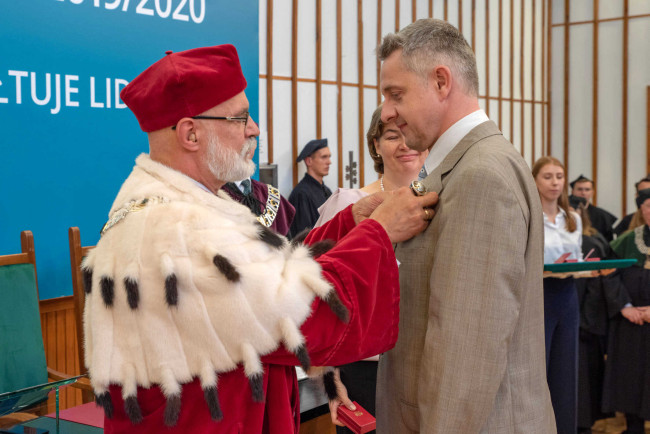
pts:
[359, 420]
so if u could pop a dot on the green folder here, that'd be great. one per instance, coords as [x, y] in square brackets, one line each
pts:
[567, 267]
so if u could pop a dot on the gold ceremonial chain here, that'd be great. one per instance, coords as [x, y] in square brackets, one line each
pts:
[133, 206]
[272, 206]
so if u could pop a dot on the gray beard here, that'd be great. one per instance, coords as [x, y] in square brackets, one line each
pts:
[227, 165]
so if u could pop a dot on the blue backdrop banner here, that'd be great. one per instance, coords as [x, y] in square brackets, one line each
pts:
[68, 141]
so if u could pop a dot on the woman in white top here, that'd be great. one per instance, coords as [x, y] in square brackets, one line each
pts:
[562, 235]
[397, 166]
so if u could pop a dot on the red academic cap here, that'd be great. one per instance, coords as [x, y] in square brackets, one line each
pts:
[184, 84]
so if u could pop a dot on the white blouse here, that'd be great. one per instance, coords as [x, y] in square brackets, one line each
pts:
[557, 240]
[341, 199]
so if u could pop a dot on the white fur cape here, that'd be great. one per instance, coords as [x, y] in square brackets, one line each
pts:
[189, 288]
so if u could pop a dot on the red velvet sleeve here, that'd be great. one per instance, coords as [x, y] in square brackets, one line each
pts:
[334, 229]
[363, 270]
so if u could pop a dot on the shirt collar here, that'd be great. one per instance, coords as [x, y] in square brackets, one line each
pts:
[199, 184]
[450, 138]
[561, 216]
[239, 186]
[311, 179]
[237, 183]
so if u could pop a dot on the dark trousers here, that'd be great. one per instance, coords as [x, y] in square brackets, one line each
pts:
[635, 424]
[591, 373]
[561, 318]
[360, 378]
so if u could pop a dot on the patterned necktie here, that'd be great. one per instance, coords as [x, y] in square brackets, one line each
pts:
[246, 187]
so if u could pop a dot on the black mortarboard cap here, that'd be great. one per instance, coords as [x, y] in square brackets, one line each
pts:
[310, 148]
[580, 179]
[642, 196]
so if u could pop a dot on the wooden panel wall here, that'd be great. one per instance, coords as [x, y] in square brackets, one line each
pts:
[60, 341]
[615, 158]
[509, 37]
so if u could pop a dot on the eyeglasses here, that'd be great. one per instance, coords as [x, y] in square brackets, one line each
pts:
[242, 119]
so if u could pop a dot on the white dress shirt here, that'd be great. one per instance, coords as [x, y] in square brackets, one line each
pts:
[450, 138]
[238, 183]
[241, 187]
[557, 240]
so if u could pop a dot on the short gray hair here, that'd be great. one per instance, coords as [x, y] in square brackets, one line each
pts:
[427, 43]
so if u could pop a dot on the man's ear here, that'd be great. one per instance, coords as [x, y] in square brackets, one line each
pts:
[441, 79]
[187, 135]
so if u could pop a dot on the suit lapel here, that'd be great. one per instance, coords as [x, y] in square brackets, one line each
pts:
[433, 182]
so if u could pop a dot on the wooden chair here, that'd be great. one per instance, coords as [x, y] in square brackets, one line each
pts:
[77, 253]
[22, 359]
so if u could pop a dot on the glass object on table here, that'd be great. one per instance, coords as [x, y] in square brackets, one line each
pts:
[18, 400]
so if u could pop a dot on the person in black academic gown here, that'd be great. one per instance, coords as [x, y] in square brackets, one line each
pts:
[592, 334]
[626, 222]
[627, 374]
[601, 220]
[311, 192]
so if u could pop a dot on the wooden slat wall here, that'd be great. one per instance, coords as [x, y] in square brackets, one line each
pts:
[514, 17]
[379, 36]
[624, 105]
[339, 83]
[548, 75]
[487, 58]
[522, 48]
[60, 341]
[512, 71]
[594, 105]
[565, 141]
[474, 25]
[294, 86]
[500, 95]
[269, 78]
[543, 54]
[362, 128]
[389, 18]
[532, 81]
[629, 147]
[319, 72]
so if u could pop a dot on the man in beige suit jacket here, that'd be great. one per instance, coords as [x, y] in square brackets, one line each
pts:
[470, 353]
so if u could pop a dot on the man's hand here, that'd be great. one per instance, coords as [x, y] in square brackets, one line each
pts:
[362, 209]
[633, 315]
[402, 214]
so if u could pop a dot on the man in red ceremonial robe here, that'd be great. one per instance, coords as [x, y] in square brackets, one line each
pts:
[196, 314]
